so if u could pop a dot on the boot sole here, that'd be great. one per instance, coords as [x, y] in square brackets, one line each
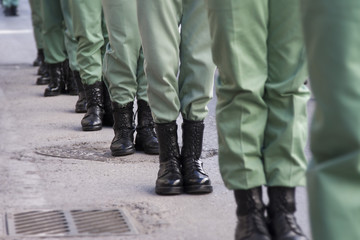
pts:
[51, 94]
[198, 189]
[151, 151]
[169, 190]
[122, 153]
[92, 128]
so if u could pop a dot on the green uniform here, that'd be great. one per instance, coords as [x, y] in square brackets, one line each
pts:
[178, 63]
[90, 31]
[53, 32]
[9, 3]
[123, 61]
[332, 40]
[37, 22]
[57, 30]
[261, 109]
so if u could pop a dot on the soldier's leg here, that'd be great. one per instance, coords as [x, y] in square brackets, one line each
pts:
[160, 19]
[125, 79]
[54, 46]
[87, 20]
[286, 97]
[195, 91]
[239, 34]
[333, 178]
[37, 22]
[71, 47]
[159, 28]
[286, 128]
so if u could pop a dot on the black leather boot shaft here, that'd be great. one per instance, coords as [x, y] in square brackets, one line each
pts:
[80, 106]
[92, 121]
[39, 58]
[281, 209]
[123, 141]
[70, 82]
[44, 73]
[56, 85]
[195, 178]
[43, 68]
[251, 215]
[146, 139]
[108, 119]
[169, 180]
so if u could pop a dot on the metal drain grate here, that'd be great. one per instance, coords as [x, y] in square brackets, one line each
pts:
[35, 223]
[68, 223]
[96, 221]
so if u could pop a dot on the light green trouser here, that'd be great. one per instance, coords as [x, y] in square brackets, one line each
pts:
[9, 3]
[70, 40]
[37, 22]
[53, 31]
[58, 38]
[167, 52]
[332, 39]
[90, 32]
[261, 108]
[123, 61]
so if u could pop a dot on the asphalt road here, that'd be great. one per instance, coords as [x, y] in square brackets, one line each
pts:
[48, 163]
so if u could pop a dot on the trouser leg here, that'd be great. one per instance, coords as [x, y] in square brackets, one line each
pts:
[196, 69]
[162, 57]
[285, 97]
[87, 17]
[53, 32]
[37, 22]
[123, 57]
[239, 33]
[331, 35]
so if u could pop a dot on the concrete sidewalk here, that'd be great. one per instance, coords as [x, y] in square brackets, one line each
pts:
[48, 163]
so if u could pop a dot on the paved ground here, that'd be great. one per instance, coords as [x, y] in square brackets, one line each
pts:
[47, 162]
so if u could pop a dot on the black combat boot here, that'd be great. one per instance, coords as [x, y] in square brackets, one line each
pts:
[194, 177]
[92, 121]
[43, 68]
[281, 209]
[146, 139]
[108, 119]
[80, 106]
[7, 11]
[13, 10]
[169, 180]
[123, 141]
[69, 79]
[56, 85]
[39, 58]
[251, 215]
[44, 71]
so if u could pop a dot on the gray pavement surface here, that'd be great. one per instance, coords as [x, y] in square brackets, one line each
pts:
[48, 163]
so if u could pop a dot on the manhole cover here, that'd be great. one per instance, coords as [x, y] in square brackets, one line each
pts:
[83, 151]
[60, 223]
[100, 151]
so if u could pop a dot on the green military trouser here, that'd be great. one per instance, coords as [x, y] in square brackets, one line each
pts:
[332, 40]
[70, 40]
[53, 32]
[37, 22]
[57, 30]
[178, 65]
[261, 109]
[90, 31]
[123, 62]
[9, 3]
